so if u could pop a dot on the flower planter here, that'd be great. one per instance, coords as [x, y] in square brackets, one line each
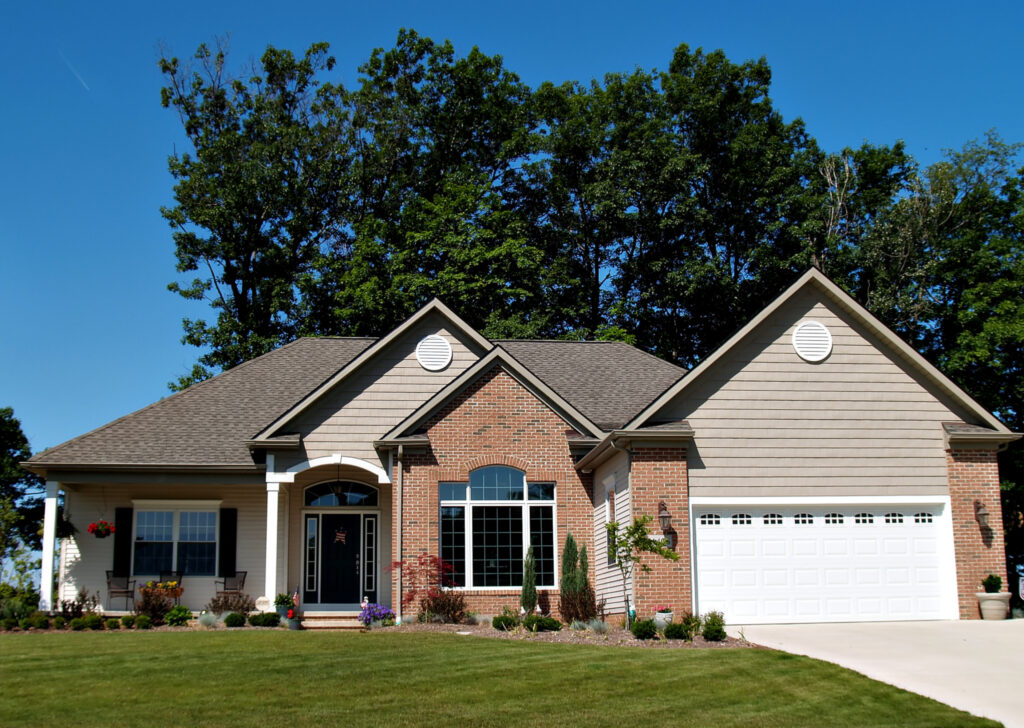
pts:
[662, 620]
[993, 605]
[282, 612]
[295, 623]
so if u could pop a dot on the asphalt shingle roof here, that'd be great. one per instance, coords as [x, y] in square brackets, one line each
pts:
[608, 381]
[209, 423]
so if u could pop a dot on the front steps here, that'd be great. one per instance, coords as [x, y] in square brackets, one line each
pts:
[312, 620]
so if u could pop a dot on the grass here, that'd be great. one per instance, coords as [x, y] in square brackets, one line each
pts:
[279, 677]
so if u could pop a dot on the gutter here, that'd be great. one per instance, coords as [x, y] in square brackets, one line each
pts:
[617, 440]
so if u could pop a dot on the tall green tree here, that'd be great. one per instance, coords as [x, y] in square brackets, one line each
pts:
[21, 502]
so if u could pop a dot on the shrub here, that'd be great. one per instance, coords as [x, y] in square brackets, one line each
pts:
[714, 627]
[575, 593]
[241, 603]
[93, 622]
[179, 616]
[644, 629]
[598, 626]
[16, 602]
[77, 624]
[128, 621]
[528, 593]
[39, 620]
[113, 623]
[992, 584]
[207, 619]
[143, 621]
[234, 620]
[577, 625]
[283, 600]
[24, 624]
[506, 621]
[79, 606]
[59, 622]
[537, 623]
[679, 631]
[154, 603]
[448, 605]
[265, 619]
[9, 623]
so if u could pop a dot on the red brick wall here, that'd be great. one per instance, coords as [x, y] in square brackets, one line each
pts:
[659, 475]
[496, 421]
[974, 475]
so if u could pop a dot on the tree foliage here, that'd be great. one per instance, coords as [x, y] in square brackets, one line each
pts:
[21, 503]
[626, 548]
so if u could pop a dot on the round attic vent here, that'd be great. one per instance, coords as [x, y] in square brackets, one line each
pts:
[812, 341]
[433, 353]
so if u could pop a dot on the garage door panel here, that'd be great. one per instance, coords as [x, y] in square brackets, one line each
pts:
[872, 563]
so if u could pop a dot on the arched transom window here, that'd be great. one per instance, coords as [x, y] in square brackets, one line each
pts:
[341, 493]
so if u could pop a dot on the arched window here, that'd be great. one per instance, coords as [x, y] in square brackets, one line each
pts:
[341, 493]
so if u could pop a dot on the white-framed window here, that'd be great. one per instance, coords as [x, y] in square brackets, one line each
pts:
[488, 523]
[175, 536]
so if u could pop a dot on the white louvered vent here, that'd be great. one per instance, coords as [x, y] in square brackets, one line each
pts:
[812, 341]
[433, 353]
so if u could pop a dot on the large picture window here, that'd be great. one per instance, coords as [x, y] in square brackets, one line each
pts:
[175, 540]
[488, 524]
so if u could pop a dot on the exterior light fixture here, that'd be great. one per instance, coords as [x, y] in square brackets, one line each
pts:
[981, 514]
[665, 519]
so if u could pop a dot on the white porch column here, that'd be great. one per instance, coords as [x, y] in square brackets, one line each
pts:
[273, 499]
[49, 537]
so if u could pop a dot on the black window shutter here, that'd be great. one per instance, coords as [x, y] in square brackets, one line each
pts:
[122, 541]
[228, 541]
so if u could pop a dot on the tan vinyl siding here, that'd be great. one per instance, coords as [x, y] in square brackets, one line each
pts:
[88, 558]
[608, 586]
[371, 401]
[768, 423]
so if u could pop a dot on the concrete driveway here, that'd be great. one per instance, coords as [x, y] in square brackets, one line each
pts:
[972, 665]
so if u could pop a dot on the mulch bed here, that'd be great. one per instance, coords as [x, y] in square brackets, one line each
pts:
[614, 637]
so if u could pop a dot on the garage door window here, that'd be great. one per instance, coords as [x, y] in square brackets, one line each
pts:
[863, 519]
[922, 518]
[833, 519]
[894, 518]
[741, 519]
[772, 519]
[803, 519]
[710, 519]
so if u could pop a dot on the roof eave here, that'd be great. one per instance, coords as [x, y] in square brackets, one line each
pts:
[619, 440]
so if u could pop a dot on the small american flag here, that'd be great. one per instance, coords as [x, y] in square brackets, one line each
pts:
[341, 535]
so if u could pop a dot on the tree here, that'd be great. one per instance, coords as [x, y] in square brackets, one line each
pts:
[627, 547]
[21, 503]
[575, 592]
[528, 594]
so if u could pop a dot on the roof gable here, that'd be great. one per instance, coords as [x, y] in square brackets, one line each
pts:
[813, 278]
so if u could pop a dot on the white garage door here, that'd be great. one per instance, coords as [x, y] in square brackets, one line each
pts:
[768, 564]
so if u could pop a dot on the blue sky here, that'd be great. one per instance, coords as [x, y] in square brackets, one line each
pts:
[91, 332]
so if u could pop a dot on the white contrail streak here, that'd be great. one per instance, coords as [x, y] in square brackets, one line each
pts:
[72, 69]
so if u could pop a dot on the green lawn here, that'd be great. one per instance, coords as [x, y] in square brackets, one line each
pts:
[279, 677]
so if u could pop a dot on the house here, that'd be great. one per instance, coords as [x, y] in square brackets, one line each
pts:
[814, 468]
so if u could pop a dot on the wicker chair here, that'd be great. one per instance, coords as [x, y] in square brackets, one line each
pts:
[121, 586]
[231, 584]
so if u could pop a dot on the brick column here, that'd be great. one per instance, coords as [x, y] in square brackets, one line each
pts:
[974, 476]
[659, 474]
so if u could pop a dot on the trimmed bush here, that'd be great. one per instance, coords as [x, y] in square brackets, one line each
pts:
[537, 623]
[59, 622]
[505, 622]
[179, 616]
[77, 624]
[446, 604]
[9, 623]
[241, 603]
[714, 627]
[679, 631]
[25, 624]
[265, 619]
[992, 584]
[39, 620]
[644, 629]
[208, 619]
[128, 621]
[142, 621]
[113, 623]
[93, 622]
[234, 620]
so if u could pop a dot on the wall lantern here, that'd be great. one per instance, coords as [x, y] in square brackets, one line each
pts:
[981, 514]
[665, 519]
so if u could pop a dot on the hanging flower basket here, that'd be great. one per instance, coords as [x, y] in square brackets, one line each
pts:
[101, 529]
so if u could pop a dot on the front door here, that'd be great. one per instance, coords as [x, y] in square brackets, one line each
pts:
[340, 559]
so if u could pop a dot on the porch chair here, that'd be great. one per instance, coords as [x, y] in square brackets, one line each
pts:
[166, 576]
[231, 584]
[121, 586]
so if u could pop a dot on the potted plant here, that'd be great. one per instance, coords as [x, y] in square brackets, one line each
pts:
[101, 529]
[993, 603]
[662, 617]
[293, 619]
[282, 603]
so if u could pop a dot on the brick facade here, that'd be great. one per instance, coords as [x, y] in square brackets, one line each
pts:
[659, 476]
[495, 421]
[974, 476]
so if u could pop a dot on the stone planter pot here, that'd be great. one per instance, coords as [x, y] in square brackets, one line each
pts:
[282, 612]
[994, 606]
[295, 624]
[662, 620]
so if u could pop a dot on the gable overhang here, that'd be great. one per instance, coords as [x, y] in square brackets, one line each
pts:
[172, 473]
[496, 357]
[815, 277]
[623, 440]
[435, 306]
[969, 437]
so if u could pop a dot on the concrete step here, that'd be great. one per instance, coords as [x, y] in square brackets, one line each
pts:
[331, 622]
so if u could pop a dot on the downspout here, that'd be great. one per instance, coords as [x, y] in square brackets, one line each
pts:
[398, 607]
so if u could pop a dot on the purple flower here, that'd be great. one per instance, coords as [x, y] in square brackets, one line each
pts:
[375, 613]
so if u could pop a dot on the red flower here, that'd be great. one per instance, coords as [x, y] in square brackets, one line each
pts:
[291, 614]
